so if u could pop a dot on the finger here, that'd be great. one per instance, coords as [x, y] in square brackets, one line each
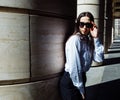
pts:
[83, 96]
[94, 25]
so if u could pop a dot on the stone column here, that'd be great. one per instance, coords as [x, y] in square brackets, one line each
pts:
[14, 46]
[89, 5]
[32, 38]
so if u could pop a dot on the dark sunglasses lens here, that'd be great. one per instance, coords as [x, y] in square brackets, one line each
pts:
[81, 24]
[88, 25]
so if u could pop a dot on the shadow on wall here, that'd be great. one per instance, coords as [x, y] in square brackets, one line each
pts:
[105, 91]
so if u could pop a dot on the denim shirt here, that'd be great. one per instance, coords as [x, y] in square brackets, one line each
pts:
[79, 58]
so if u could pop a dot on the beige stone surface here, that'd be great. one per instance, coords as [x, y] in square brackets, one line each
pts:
[14, 46]
[48, 25]
[94, 76]
[94, 9]
[47, 45]
[15, 3]
[41, 90]
[88, 1]
[59, 7]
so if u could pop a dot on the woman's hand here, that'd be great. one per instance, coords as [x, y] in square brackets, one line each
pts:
[83, 96]
[94, 31]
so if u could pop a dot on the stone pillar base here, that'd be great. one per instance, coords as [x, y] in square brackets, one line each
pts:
[95, 64]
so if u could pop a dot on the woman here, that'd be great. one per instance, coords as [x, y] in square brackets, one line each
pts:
[81, 48]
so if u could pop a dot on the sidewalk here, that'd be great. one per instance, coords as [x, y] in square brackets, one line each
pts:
[103, 82]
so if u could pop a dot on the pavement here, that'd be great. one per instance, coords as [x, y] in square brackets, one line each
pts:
[103, 82]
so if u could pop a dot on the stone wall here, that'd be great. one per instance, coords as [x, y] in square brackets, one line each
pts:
[32, 37]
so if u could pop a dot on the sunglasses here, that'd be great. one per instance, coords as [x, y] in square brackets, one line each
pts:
[88, 25]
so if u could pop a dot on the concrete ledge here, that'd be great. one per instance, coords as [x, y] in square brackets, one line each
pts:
[101, 74]
[95, 64]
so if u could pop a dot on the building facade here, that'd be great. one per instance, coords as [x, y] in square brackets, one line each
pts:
[32, 38]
